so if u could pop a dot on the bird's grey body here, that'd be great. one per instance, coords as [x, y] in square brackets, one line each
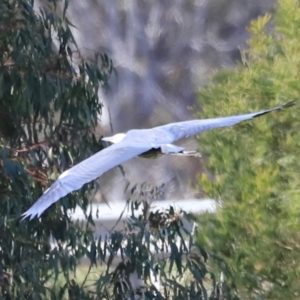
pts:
[134, 143]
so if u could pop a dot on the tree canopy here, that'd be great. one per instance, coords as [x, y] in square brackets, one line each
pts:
[49, 106]
[253, 168]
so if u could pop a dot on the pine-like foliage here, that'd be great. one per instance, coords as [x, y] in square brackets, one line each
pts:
[253, 168]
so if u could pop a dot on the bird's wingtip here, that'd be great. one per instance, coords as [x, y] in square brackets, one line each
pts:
[289, 104]
[24, 216]
[29, 214]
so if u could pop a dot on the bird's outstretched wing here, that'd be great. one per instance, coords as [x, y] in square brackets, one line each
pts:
[188, 128]
[84, 172]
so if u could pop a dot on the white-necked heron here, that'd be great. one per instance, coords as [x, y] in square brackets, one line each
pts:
[127, 146]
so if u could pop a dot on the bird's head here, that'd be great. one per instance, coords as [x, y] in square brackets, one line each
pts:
[115, 138]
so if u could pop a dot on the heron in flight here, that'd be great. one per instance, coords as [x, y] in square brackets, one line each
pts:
[127, 146]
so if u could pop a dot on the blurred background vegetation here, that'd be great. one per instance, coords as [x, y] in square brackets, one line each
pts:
[254, 168]
[54, 78]
[163, 51]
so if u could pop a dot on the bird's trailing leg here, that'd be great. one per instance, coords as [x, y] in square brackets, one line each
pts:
[187, 153]
[175, 150]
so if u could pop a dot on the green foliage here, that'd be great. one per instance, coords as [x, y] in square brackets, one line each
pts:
[49, 106]
[157, 241]
[254, 167]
